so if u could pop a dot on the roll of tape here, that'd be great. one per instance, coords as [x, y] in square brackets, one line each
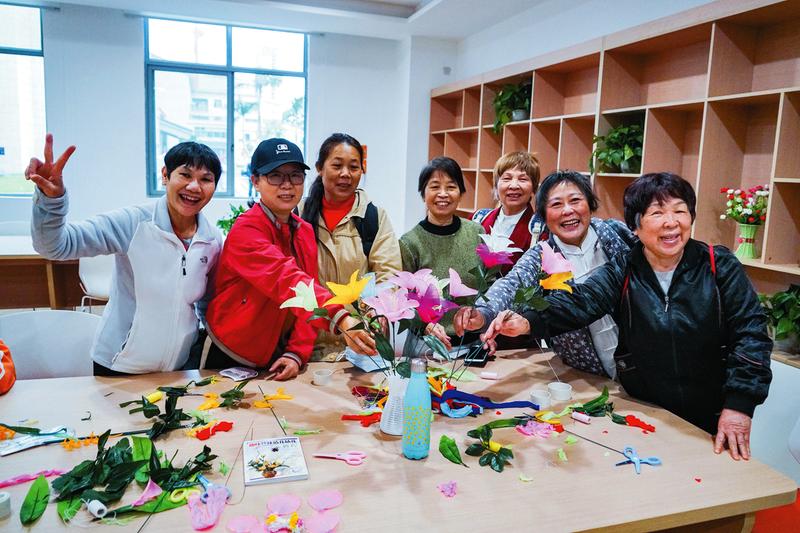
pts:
[5, 505]
[97, 509]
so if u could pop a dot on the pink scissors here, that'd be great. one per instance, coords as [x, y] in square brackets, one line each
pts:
[353, 457]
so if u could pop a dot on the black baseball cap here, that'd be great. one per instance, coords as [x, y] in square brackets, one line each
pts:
[272, 153]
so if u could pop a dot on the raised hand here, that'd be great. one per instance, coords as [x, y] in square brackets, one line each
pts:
[359, 340]
[47, 174]
[467, 319]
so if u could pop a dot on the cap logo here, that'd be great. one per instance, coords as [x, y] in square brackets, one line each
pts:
[281, 148]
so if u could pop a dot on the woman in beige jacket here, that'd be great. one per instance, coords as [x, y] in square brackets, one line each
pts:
[352, 233]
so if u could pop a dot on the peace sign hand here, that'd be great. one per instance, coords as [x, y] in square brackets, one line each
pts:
[47, 175]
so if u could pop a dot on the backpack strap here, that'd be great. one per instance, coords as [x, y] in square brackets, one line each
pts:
[367, 228]
[713, 260]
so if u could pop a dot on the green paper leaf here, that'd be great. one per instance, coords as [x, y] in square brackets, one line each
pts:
[496, 463]
[68, 508]
[475, 450]
[385, 348]
[35, 502]
[449, 449]
[437, 346]
[24, 430]
[486, 459]
[403, 368]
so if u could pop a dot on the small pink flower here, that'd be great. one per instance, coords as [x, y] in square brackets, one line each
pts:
[491, 259]
[393, 304]
[431, 306]
[552, 262]
[457, 288]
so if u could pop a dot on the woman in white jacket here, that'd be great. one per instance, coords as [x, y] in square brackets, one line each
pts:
[164, 253]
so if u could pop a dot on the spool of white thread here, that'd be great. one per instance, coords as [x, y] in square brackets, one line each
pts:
[580, 417]
[5, 505]
[96, 508]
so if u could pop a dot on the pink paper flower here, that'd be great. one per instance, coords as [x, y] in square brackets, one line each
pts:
[431, 306]
[418, 281]
[150, 491]
[448, 489]
[491, 259]
[457, 288]
[393, 304]
[535, 429]
[552, 262]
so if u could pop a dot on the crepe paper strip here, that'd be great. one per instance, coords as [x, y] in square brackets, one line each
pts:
[325, 499]
[321, 522]
[153, 397]
[223, 468]
[301, 432]
[282, 524]
[366, 420]
[206, 433]
[636, 422]
[35, 502]
[562, 455]
[262, 404]
[448, 489]
[279, 395]
[568, 409]
[532, 428]
[558, 428]
[525, 479]
[698, 479]
[461, 412]
[283, 504]
[212, 401]
[570, 440]
[150, 491]
[244, 524]
[455, 394]
[206, 515]
[24, 478]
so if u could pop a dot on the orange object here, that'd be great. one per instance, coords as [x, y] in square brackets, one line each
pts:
[8, 375]
[366, 420]
[6, 434]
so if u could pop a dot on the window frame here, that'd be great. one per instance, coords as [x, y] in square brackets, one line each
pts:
[33, 52]
[228, 70]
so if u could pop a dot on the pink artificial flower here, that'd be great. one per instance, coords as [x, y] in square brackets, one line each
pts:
[491, 259]
[552, 262]
[150, 491]
[431, 306]
[393, 304]
[535, 429]
[418, 281]
[457, 288]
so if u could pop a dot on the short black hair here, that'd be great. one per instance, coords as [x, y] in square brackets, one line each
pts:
[658, 186]
[445, 165]
[193, 155]
[561, 176]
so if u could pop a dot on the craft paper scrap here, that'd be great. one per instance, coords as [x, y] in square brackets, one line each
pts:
[525, 479]
[562, 455]
[448, 489]
[570, 440]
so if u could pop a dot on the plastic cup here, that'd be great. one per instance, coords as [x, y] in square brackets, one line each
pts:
[560, 391]
[322, 377]
[541, 397]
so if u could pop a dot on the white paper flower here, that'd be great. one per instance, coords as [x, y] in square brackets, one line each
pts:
[497, 243]
[722, 217]
[730, 191]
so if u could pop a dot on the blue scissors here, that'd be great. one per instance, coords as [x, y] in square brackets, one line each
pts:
[637, 461]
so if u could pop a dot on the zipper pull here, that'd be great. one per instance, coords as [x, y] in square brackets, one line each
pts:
[666, 301]
[183, 264]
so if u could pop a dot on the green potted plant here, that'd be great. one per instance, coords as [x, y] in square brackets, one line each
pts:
[619, 150]
[783, 313]
[226, 223]
[512, 102]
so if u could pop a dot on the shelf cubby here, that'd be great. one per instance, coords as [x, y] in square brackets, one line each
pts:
[610, 190]
[576, 143]
[787, 161]
[756, 51]
[544, 144]
[668, 68]
[491, 89]
[782, 246]
[737, 152]
[467, 202]
[610, 120]
[490, 145]
[566, 88]
[436, 145]
[515, 137]
[484, 194]
[472, 107]
[446, 111]
[463, 147]
[673, 140]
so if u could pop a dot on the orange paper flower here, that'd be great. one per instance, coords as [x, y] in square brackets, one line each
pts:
[557, 282]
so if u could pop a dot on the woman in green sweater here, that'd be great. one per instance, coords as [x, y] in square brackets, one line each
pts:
[442, 240]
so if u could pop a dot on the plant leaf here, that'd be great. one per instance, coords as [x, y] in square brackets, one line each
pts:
[68, 508]
[35, 502]
[449, 449]
[475, 450]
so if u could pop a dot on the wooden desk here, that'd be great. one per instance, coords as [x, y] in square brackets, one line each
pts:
[390, 493]
[29, 280]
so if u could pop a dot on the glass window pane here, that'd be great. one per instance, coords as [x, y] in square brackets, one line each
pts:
[187, 42]
[20, 27]
[264, 107]
[22, 125]
[264, 49]
[183, 113]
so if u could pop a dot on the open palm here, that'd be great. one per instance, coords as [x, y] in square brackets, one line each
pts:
[47, 174]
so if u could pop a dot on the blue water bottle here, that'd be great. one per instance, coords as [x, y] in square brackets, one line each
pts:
[417, 413]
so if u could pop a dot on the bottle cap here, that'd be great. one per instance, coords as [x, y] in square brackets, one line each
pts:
[419, 366]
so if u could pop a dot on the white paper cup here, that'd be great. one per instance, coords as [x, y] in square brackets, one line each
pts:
[541, 397]
[322, 377]
[560, 391]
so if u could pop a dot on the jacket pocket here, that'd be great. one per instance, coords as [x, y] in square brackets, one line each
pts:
[630, 376]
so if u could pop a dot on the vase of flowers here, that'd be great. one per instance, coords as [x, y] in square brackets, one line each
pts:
[749, 209]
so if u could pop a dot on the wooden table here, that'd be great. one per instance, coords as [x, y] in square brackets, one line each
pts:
[29, 280]
[390, 493]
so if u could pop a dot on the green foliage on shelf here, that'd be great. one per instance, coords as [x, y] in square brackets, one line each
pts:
[783, 311]
[507, 99]
[226, 223]
[619, 150]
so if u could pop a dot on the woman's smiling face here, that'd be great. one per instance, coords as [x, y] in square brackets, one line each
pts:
[568, 214]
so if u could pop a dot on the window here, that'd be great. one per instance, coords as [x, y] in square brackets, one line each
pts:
[22, 118]
[223, 86]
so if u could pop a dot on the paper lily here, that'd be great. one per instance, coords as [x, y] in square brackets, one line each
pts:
[393, 304]
[557, 281]
[150, 491]
[498, 243]
[491, 259]
[371, 289]
[306, 298]
[553, 262]
[418, 281]
[431, 307]
[535, 429]
[347, 294]
[457, 288]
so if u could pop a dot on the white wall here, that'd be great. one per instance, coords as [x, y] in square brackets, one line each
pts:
[556, 24]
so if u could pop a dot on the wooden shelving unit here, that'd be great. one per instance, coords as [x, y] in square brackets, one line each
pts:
[719, 101]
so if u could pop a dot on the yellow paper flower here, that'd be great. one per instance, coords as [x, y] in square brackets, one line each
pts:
[212, 402]
[347, 294]
[262, 404]
[557, 282]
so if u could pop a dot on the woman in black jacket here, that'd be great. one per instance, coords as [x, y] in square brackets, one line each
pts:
[693, 337]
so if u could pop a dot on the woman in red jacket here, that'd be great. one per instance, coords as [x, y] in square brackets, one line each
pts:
[269, 251]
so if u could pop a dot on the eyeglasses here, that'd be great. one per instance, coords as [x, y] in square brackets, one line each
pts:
[277, 178]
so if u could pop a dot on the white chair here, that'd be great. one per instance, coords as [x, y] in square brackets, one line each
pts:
[95, 275]
[50, 344]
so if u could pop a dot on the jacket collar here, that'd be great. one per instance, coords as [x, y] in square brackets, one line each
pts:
[692, 257]
[205, 232]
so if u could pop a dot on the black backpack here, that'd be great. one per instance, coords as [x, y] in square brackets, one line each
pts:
[367, 228]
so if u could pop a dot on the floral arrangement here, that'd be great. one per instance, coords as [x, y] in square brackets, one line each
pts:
[746, 207]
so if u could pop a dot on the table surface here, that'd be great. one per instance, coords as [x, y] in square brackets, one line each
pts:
[390, 493]
[17, 246]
